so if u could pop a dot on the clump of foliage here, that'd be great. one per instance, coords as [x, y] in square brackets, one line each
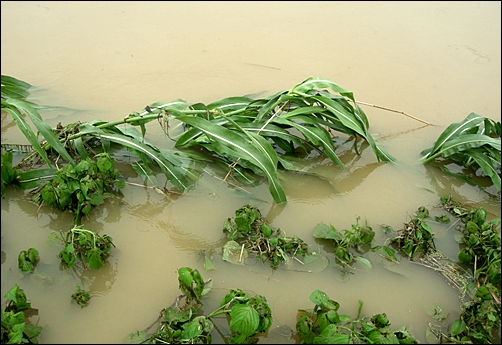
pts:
[416, 238]
[481, 250]
[8, 176]
[28, 259]
[84, 245]
[344, 242]
[15, 326]
[248, 316]
[78, 189]
[473, 144]
[249, 232]
[81, 296]
[324, 325]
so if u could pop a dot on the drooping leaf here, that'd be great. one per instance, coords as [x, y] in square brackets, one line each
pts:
[26, 130]
[240, 147]
[452, 131]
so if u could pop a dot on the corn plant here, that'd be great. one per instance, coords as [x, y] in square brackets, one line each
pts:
[252, 138]
[473, 144]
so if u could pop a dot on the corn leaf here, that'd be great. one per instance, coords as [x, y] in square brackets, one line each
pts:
[26, 130]
[230, 142]
[463, 143]
[489, 165]
[145, 173]
[452, 131]
[43, 128]
[35, 178]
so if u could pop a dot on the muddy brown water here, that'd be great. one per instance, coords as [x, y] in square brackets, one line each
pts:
[437, 61]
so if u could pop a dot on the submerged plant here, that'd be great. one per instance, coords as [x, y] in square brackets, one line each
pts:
[83, 245]
[78, 189]
[249, 315]
[344, 242]
[473, 144]
[249, 232]
[15, 328]
[324, 325]
[252, 138]
[28, 260]
[81, 296]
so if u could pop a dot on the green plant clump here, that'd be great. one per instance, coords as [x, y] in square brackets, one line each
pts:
[28, 259]
[15, 326]
[324, 325]
[79, 188]
[248, 232]
[359, 238]
[83, 245]
[248, 316]
[81, 296]
[480, 318]
[473, 144]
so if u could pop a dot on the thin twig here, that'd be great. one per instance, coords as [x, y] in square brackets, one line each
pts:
[396, 111]
[242, 251]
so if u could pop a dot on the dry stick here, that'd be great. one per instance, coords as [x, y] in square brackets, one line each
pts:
[242, 251]
[396, 111]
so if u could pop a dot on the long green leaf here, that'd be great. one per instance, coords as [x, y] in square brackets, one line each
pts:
[27, 131]
[488, 164]
[230, 104]
[463, 143]
[316, 135]
[241, 148]
[43, 128]
[171, 172]
[452, 131]
[35, 178]
[145, 173]
[7, 80]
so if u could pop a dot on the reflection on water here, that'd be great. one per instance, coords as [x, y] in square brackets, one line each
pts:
[99, 282]
[438, 61]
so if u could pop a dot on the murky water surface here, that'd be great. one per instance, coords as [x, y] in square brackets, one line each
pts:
[437, 61]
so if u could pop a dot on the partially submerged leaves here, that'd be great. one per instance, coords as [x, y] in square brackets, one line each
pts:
[473, 143]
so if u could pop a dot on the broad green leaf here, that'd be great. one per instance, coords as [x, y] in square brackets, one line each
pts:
[457, 327]
[232, 253]
[321, 230]
[315, 262]
[185, 277]
[244, 319]
[364, 262]
[191, 330]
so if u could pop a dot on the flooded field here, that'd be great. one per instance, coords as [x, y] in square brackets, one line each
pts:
[437, 61]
